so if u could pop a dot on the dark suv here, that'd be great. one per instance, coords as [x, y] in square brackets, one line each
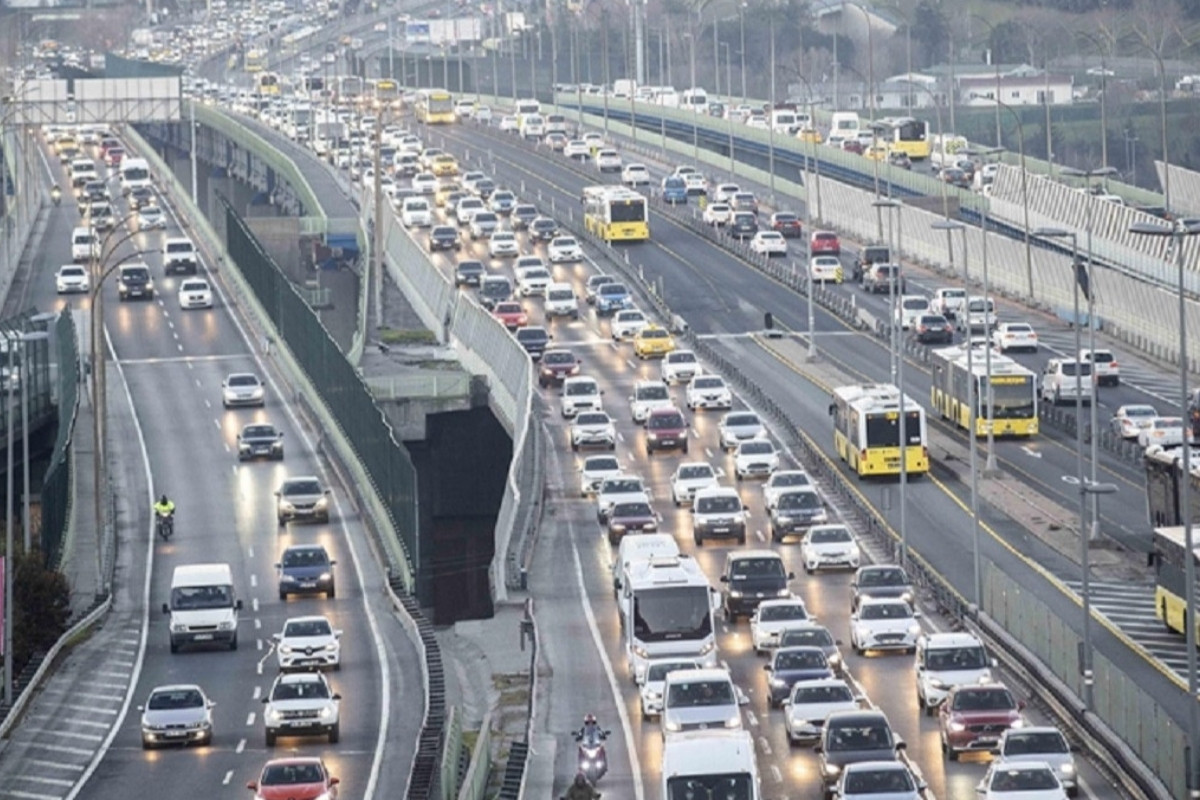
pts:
[134, 281]
[751, 576]
[444, 237]
[868, 257]
[306, 569]
[743, 225]
[666, 429]
[851, 737]
[880, 580]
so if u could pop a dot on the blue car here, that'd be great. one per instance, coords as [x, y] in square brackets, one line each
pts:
[789, 666]
[611, 298]
[674, 190]
[306, 569]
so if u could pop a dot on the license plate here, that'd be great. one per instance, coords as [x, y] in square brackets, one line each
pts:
[723, 530]
[758, 594]
[308, 585]
[301, 724]
[203, 637]
[175, 734]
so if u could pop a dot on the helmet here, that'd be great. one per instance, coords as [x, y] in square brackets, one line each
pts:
[163, 499]
[580, 779]
[590, 719]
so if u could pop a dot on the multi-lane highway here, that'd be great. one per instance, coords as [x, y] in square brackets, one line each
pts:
[571, 572]
[172, 362]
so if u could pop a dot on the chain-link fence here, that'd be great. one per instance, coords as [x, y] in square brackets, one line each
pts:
[56, 485]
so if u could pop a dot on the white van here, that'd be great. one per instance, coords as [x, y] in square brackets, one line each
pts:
[135, 173]
[179, 255]
[561, 302]
[843, 126]
[531, 126]
[699, 763]
[695, 100]
[701, 699]
[203, 607]
[556, 123]
[980, 316]
[641, 548]
[528, 106]
[83, 244]
[1059, 382]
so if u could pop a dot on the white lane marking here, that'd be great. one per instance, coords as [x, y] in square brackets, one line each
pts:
[241, 745]
[228, 777]
[708, 452]
[758, 534]
[253, 580]
[752, 719]
[46, 781]
[1029, 451]
[250, 550]
[258, 625]
[32, 795]
[87, 695]
[86, 737]
[62, 748]
[216, 422]
[250, 719]
[257, 693]
[776, 775]
[207, 404]
[85, 709]
[764, 745]
[254, 605]
[42, 762]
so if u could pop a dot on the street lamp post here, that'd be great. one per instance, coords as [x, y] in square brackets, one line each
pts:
[1103, 50]
[898, 356]
[1179, 232]
[695, 127]
[989, 467]
[1024, 193]
[742, 21]
[972, 423]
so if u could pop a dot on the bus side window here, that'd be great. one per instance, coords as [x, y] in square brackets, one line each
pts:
[833, 409]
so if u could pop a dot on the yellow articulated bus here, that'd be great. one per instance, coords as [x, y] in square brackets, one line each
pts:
[909, 136]
[616, 214]
[866, 430]
[1170, 583]
[1013, 392]
[435, 107]
[387, 93]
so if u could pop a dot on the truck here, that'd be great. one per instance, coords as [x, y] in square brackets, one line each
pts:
[623, 87]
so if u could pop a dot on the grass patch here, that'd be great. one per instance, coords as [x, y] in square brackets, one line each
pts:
[394, 336]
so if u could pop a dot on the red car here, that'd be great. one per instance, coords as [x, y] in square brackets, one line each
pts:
[973, 716]
[824, 243]
[666, 429]
[556, 366]
[113, 156]
[294, 779]
[511, 314]
[786, 223]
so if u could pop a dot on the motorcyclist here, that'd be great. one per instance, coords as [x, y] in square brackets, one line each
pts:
[581, 789]
[55, 194]
[590, 733]
[164, 508]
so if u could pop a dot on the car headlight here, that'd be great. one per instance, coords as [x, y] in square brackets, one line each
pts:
[653, 435]
[907, 597]
[272, 714]
[285, 578]
[1017, 723]
[641, 652]
[735, 593]
[285, 505]
[708, 648]
[783, 520]
[914, 629]
[734, 722]
[285, 648]
[937, 683]
[327, 712]
[986, 677]
[618, 527]
[778, 682]
[1067, 769]
[178, 627]
[832, 770]
[956, 727]
[326, 576]
[784, 592]
[225, 625]
[835, 659]
[672, 725]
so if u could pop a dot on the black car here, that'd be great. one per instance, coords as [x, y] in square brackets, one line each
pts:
[534, 339]
[494, 289]
[743, 225]
[543, 229]
[134, 281]
[444, 237]
[750, 577]
[95, 192]
[716, 110]
[880, 580]
[522, 215]
[933, 329]
[260, 440]
[557, 366]
[469, 273]
[790, 665]
[851, 737]
[484, 187]
[868, 257]
[306, 569]
[140, 197]
[901, 160]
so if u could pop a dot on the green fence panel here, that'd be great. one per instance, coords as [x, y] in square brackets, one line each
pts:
[336, 380]
[56, 484]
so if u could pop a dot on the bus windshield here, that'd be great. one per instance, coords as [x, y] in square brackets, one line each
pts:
[883, 429]
[1010, 400]
[669, 614]
[628, 211]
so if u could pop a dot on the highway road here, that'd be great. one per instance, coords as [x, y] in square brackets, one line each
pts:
[571, 570]
[173, 363]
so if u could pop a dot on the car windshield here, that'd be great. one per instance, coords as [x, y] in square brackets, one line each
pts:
[1140, 411]
[782, 613]
[802, 658]
[175, 699]
[1102, 357]
[658, 672]
[815, 636]
[1068, 368]
[983, 700]
[661, 421]
[741, 420]
[859, 737]
[615, 289]
[1023, 780]
[558, 358]
[700, 694]
[830, 536]
[304, 557]
[785, 218]
[623, 486]
[913, 303]
[600, 463]
[795, 500]
[734, 786]
[885, 611]
[651, 333]
[306, 627]
[877, 781]
[756, 448]
[956, 658]
[695, 472]
[745, 568]
[300, 690]
[243, 380]
[1035, 742]
[195, 598]
[681, 358]
[309, 486]
[652, 391]
[933, 320]
[532, 335]
[258, 432]
[638, 509]
[630, 316]
[581, 388]
[893, 576]
[723, 504]
[708, 383]
[781, 479]
[592, 419]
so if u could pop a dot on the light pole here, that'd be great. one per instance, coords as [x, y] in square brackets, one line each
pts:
[972, 424]
[695, 128]
[1024, 193]
[898, 354]
[10, 563]
[742, 20]
[996, 64]
[1103, 50]
[1179, 232]
[989, 467]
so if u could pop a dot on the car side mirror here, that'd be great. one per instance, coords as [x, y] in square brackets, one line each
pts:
[212, 703]
[766, 667]
[791, 576]
[253, 785]
[1020, 705]
[993, 663]
[916, 614]
[266, 700]
[278, 565]
[901, 744]
[141, 708]
[332, 562]
[277, 636]
[818, 748]
[334, 781]
[277, 494]
[724, 579]
[853, 584]
[337, 697]
[166, 609]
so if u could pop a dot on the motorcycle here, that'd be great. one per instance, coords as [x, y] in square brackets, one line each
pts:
[593, 761]
[56, 195]
[165, 525]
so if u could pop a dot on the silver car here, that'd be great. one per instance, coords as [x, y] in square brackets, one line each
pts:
[879, 780]
[177, 714]
[740, 426]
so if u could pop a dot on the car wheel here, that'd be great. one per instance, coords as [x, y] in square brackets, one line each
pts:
[574, 447]
[737, 475]
[233, 642]
[335, 733]
[697, 538]
[174, 647]
[282, 596]
[951, 753]
[270, 739]
[332, 593]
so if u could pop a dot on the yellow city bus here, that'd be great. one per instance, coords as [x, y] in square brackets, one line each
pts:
[256, 61]
[616, 214]
[1014, 392]
[387, 92]
[435, 107]
[1170, 562]
[866, 430]
[909, 136]
[268, 83]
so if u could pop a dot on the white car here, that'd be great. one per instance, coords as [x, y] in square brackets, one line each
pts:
[910, 308]
[717, 214]
[467, 208]
[593, 429]
[772, 617]
[509, 124]
[503, 243]
[1025, 780]
[769, 243]
[811, 702]
[301, 705]
[627, 324]
[577, 148]
[691, 477]
[533, 281]
[483, 115]
[242, 389]
[708, 391]
[1021, 745]
[71, 278]
[1014, 336]
[739, 426]
[651, 690]
[882, 623]
[635, 175]
[308, 642]
[470, 178]
[781, 481]
[725, 192]
[1128, 421]
[1104, 365]
[619, 489]
[825, 268]
[608, 160]
[195, 293]
[647, 396]
[596, 470]
[1162, 431]
[754, 459]
[425, 183]
[946, 660]
[416, 213]
[151, 218]
[680, 366]
[564, 249]
[828, 546]
[580, 393]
